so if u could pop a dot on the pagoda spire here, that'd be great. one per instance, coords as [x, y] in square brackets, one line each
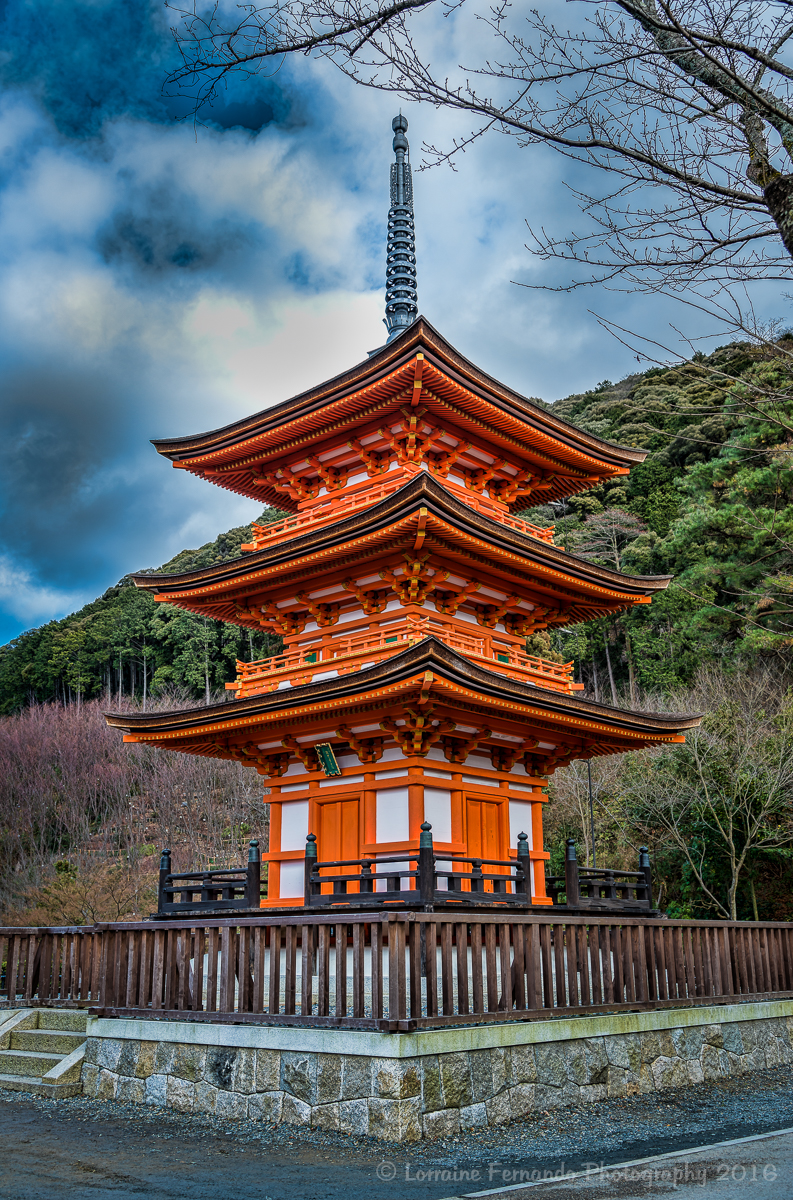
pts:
[401, 298]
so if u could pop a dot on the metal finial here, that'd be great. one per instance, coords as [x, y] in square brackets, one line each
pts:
[401, 297]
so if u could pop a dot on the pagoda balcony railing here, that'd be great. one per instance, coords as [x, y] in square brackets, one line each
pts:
[343, 655]
[331, 508]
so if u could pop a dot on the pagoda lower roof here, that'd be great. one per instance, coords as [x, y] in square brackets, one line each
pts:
[231, 455]
[422, 513]
[427, 673]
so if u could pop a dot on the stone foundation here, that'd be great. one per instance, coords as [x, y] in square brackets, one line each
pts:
[401, 1087]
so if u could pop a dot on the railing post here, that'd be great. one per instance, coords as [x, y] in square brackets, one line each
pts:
[524, 862]
[477, 883]
[367, 879]
[311, 858]
[426, 865]
[644, 865]
[571, 874]
[165, 871]
[253, 881]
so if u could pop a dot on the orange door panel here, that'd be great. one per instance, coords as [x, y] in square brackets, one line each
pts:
[338, 835]
[483, 833]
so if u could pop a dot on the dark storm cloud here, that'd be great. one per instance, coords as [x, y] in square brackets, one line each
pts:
[90, 62]
[130, 245]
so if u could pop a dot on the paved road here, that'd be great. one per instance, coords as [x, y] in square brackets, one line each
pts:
[89, 1150]
[754, 1168]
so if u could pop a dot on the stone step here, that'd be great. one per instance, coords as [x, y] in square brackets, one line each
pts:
[75, 1020]
[27, 1062]
[36, 1085]
[50, 1041]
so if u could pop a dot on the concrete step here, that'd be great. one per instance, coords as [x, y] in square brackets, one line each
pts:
[36, 1085]
[27, 1062]
[50, 1041]
[75, 1020]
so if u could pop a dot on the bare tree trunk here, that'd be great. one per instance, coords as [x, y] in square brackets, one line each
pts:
[631, 672]
[119, 679]
[595, 680]
[611, 673]
[206, 661]
[144, 678]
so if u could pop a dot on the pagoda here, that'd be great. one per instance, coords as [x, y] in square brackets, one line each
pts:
[404, 588]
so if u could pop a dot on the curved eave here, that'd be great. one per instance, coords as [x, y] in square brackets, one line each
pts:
[201, 452]
[409, 669]
[422, 492]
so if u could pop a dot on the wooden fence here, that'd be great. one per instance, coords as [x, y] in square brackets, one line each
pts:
[394, 971]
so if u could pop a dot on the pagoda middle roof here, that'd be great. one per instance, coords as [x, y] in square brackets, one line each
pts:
[423, 503]
[442, 675]
[229, 455]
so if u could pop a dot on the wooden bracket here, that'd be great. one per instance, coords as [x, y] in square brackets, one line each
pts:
[306, 754]
[371, 602]
[375, 463]
[286, 622]
[323, 614]
[477, 481]
[283, 480]
[448, 602]
[490, 616]
[418, 733]
[333, 477]
[509, 489]
[442, 463]
[266, 764]
[369, 750]
[456, 750]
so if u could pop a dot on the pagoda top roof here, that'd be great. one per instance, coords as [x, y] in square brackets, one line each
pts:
[227, 455]
[429, 665]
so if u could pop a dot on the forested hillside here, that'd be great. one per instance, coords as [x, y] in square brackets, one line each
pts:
[125, 644]
[712, 506]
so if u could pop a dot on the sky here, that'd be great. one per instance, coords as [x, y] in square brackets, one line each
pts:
[160, 279]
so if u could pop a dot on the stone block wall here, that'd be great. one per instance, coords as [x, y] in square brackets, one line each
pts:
[426, 1095]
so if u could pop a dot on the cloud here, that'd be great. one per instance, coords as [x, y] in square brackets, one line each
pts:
[158, 279]
[28, 601]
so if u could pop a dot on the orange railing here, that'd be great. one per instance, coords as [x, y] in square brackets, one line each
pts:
[343, 655]
[334, 508]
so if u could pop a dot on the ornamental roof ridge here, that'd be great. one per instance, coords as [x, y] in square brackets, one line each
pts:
[422, 489]
[420, 336]
[428, 655]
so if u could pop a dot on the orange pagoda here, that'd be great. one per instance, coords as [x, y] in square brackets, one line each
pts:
[404, 588]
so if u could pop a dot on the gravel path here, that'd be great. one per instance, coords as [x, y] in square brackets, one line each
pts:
[88, 1148]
